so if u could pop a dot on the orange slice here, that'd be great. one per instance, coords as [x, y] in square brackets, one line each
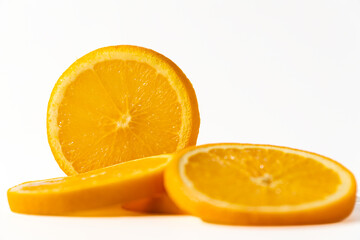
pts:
[120, 103]
[259, 185]
[112, 185]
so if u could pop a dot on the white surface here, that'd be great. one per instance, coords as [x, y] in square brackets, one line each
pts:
[276, 72]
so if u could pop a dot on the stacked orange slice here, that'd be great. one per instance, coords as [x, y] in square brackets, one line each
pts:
[117, 184]
[260, 185]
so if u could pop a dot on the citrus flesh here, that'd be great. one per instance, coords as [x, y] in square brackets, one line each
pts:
[120, 103]
[259, 185]
[117, 184]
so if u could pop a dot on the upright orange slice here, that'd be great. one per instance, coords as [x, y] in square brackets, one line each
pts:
[114, 185]
[259, 185]
[117, 104]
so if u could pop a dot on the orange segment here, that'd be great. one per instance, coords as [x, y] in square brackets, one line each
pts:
[118, 184]
[117, 104]
[259, 185]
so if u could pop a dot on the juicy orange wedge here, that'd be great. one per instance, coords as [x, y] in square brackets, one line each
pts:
[118, 184]
[259, 185]
[120, 103]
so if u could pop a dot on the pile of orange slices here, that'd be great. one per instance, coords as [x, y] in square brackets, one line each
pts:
[123, 122]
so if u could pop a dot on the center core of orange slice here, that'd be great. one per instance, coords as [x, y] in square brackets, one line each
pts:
[124, 121]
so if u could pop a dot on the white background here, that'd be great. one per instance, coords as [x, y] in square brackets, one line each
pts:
[274, 72]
